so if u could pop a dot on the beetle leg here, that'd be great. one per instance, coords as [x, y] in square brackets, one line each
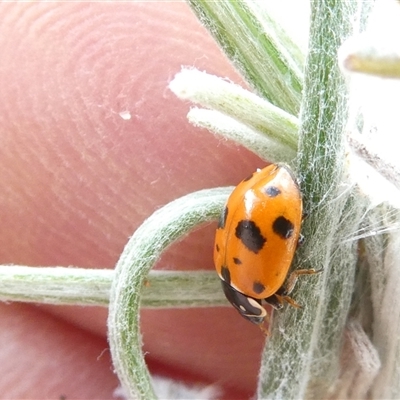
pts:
[282, 295]
[275, 301]
[291, 282]
[278, 299]
[289, 300]
[264, 327]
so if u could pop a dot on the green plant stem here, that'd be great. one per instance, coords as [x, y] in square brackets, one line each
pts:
[229, 128]
[215, 93]
[301, 359]
[55, 285]
[161, 229]
[91, 287]
[260, 49]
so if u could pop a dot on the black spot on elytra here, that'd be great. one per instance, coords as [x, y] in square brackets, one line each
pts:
[250, 235]
[226, 275]
[237, 261]
[222, 218]
[283, 227]
[217, 248]
[258, 287]
[272, 191]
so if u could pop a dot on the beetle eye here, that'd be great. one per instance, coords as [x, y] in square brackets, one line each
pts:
[248, 307]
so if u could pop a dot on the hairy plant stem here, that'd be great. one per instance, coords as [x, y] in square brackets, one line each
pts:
[161, 229]
[301, 359]
[260, 49]
[247, 108]
[91, 287]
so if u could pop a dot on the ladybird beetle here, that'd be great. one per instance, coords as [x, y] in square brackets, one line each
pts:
[257, 236]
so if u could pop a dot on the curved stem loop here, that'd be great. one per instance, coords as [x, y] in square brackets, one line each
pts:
[143, 249]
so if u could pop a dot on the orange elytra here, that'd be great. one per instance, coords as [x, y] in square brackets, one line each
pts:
[256, 239]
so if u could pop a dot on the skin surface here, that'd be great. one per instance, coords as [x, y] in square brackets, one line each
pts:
[78, 178]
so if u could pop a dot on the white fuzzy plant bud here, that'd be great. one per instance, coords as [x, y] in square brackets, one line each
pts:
[372, 63]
